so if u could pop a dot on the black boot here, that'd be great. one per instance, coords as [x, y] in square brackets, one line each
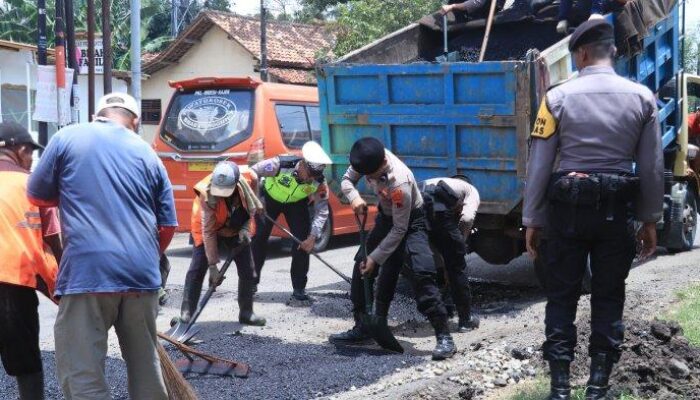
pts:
[445, 346]
[190, 297]
[31, 386]
[449, 302]
[300, 295]
[467, 321]
[245, 303]
[560, 375]
[355, 335]
[598, 383]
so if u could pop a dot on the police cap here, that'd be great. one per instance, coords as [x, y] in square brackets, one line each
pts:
[591, 31]
[367, 155]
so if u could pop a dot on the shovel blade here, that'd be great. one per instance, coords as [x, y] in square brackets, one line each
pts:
[381, 333]
[183, 332]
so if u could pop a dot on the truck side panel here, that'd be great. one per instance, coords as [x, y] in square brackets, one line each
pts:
[441, 119]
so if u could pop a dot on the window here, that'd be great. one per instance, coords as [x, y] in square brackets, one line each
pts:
[293, 125]
[150, 111]
[298, 124]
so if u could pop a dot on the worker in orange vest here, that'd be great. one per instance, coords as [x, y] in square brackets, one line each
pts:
[222, 211]
[30, 247]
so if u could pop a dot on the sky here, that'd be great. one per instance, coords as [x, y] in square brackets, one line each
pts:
[253, 6]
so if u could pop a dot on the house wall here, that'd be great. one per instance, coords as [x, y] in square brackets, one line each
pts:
[214, 55]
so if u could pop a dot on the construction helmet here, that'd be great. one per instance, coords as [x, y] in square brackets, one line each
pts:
[315, 157]
[224, 179]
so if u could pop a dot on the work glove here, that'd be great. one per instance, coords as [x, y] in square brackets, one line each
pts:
[244, 236]
[214, 276]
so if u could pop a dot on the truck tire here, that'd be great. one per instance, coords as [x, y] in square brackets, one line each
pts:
[494, 247]
[689, 225]
[326, 233]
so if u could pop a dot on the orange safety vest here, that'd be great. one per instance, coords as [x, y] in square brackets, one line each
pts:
[200, 190]
[25, 257]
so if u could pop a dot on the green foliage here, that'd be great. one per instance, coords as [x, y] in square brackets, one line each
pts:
[314, 10]
[539, 390]
[218, 5]
[362, 21]
[687, 313]
[692, 52]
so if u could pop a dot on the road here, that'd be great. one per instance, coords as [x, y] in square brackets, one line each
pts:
[291, 358]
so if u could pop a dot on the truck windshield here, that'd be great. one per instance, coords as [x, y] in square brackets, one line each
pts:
[208, 120]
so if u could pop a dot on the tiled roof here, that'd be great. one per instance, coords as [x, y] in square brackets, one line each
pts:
[288, 44]
[293, 75]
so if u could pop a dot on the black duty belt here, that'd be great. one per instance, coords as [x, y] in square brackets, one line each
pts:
[597, 190]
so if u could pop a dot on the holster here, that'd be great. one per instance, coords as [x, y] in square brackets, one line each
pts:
[595, 190]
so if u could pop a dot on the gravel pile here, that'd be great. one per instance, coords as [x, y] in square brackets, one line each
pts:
[507, 42]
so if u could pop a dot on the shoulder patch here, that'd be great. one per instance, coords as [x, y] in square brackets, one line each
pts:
[397, 197]
[545, 124]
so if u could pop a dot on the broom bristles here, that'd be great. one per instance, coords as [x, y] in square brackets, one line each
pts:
[176, 384]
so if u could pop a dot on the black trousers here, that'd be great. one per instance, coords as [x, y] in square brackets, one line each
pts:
[19, 330]
[448, 240]
[413, 256]
[297, 216]
[199, 264]
[572, 235]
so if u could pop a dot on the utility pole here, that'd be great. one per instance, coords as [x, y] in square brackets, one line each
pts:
[60, 49]
[136, 50]
[91, 57]
[263, 41]
[41, 55]
[175, 8]
[72, 58]
[106, 47]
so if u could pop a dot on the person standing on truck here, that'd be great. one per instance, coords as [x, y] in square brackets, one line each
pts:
[290, 182]
[599, 124]
[450, 206]
[118, 216]
[398, 239]
[222, 211]
[470, 8]
[594, 10]
[30, 249]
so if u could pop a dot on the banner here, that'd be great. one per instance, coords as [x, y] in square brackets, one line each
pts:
[49, 99]
[82, 46]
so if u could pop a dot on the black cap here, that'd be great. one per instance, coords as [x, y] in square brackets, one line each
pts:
[367, 155]
[12, 133]
[591, 31]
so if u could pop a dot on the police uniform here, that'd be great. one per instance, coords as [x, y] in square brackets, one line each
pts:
[599, 124]
[283, 193]
[398, 240]
[450, 207]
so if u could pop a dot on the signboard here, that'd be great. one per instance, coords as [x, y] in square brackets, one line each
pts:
[82, 46]
[52, 104]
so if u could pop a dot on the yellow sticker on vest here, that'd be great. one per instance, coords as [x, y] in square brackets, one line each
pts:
[545, 125]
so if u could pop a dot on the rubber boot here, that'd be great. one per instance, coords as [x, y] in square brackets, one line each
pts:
[560, 389]
[445, 346]
[245, 303]
[190, 297]
[353, 336]
[467, 321]
[598, 383]
[31, 386]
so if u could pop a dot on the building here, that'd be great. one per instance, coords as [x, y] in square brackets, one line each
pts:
[224, 44]
[18, 63]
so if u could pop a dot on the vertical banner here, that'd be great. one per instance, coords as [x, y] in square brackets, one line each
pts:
[46, 107]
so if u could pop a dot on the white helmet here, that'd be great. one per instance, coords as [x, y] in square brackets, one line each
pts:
[313, 153]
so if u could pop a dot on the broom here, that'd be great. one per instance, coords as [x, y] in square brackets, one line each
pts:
[176, 384]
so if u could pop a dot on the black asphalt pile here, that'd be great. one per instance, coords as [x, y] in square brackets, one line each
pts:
[507, 42]
[657, 362]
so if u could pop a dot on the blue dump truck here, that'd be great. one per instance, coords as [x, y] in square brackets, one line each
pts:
[464, 117]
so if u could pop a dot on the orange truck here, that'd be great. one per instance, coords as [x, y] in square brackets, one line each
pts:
[244, 120]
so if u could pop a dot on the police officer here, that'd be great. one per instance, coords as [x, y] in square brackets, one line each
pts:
[398, 238]
[290, 182]
[221, 213]
[450, 205]
[599, 124]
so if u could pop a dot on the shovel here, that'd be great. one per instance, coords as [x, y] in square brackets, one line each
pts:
[373, 325]
[313, 253]
[183, 332]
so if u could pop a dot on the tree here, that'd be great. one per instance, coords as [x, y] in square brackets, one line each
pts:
[218, 5]
[692, 51]
[362, 21]
[317, 10]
